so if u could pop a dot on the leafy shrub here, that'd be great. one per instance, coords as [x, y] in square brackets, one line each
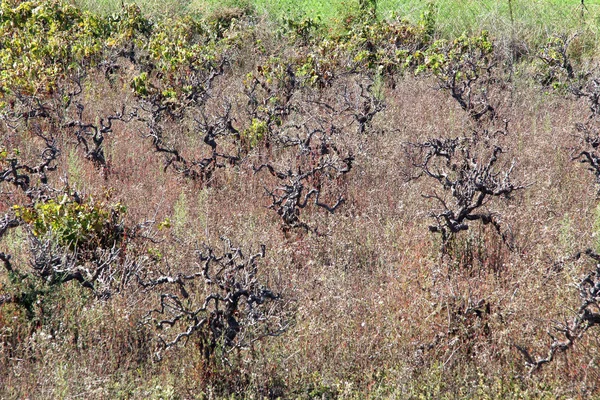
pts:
[76, 225]
[44, 41]
[463, 68]
[553, 64]
[302, 30]
[254, 134]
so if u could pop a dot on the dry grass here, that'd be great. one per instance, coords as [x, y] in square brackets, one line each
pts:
[378, 313]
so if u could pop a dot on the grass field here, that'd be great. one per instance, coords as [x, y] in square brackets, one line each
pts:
[529, 17]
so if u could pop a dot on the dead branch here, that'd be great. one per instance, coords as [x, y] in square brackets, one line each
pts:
[91, 136]
[470, 178]
[588, 135]
[565, 335]
[21, 174]
[56, 265]
[294, 195]
[216, 131]
[233, 312]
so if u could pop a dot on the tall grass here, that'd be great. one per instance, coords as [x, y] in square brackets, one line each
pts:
[531, 18]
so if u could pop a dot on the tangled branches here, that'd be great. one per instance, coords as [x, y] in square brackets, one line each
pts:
[234, 310]
[213, 131]
[21, 174]
[313, 155]
[55, 265]
[467, 169]
[318, 164]
[464, 68]
[470, 176]
[269, 92]
[587, 151]
[91, 136]
[290, 198]
[589, 133]
[163, 114]
[587, 316]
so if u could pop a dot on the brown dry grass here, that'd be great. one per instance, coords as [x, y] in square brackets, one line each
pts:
[378, 313]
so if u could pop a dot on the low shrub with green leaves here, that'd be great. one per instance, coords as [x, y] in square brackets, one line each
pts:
[75, 224]
[45, 41]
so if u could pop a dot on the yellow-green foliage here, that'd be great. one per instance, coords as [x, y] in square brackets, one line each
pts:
[84, 225]
[42, 41]
[385, 44]
[441, 57]
[6, 155]
[301, 29]
[255, 133]
[139, 84]
[177, 42]
[552, 65]
[367, 44]
[130, 25]
[179, 52]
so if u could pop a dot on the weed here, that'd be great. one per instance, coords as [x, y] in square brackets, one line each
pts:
[130, 135]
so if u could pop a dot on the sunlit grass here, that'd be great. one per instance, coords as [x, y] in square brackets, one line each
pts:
[529, 17]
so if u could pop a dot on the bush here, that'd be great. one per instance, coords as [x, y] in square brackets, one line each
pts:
[75, 224]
